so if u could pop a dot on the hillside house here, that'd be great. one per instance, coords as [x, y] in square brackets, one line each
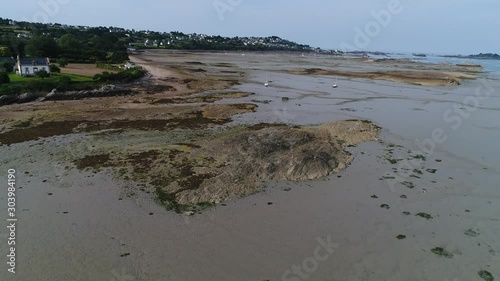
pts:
[129, 65]
[30, 66]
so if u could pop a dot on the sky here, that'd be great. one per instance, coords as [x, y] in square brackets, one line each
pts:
[428, 26]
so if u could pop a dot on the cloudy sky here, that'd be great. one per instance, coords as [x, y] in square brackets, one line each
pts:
[433, 26]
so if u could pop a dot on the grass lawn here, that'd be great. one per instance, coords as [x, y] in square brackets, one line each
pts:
[14, 78]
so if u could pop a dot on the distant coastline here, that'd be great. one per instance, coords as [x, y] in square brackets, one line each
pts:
[481, 56]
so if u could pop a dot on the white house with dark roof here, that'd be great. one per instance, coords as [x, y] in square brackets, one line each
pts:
[30, 66]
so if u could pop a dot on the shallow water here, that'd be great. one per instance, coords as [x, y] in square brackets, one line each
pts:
[252, 239]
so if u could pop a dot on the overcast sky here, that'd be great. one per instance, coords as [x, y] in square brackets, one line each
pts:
[432, 26]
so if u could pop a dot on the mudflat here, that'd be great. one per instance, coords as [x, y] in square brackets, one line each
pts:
[204, 173]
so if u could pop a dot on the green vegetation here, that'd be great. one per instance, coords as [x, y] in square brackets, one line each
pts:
[127, 75]
[82, 45]
[85, 44]
[42, 74]
[4, 78]
[62, 82]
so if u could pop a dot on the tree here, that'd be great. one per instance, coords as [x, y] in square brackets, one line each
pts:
[69, 43]
[5, 52]
[54, 68]
[41, 46]
[7, 65]
[42, 74]
[62, 62]
[4, 78]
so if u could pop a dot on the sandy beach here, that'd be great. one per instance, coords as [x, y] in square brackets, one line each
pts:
[205, 174]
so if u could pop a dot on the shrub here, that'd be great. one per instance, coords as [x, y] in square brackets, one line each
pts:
[63, 83]
[54, 68]
[4, 78]
[8, 66]
[127, 75]
[62, 62]
[42, 74]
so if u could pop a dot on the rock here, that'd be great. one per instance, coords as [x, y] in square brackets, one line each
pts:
[104, 91]
[7, 99]
[26, 97]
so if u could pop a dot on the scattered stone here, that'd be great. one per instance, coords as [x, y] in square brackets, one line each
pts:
[406, 213]
[401, 237]
[50, 193]
[374, 196]
[420, 156]
[269, 203]
[485, 275]
[442, 252]
[424, 215]
[432, 171]
[385, 206]
[403, 196]
[471, 233]
[125, 255]
[408, 184]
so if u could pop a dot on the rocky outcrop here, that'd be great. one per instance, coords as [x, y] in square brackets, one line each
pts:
[8, 99]
[26, 97]
[105, 91]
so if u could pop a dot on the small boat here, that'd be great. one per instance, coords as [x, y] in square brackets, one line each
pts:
[267, 81]
[266, 84]
[335, 85]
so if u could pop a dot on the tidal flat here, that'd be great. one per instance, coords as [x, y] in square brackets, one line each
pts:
[123, 185]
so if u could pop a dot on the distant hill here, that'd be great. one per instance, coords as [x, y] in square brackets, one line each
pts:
[481, 56]
[111, 44]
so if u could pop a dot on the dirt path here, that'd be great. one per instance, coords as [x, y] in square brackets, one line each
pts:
[154, 69]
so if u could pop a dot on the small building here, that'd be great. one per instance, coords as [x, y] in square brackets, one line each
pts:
[129, 65]
[30, 66]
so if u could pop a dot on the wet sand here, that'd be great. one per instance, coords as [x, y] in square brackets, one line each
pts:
[262, 236]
